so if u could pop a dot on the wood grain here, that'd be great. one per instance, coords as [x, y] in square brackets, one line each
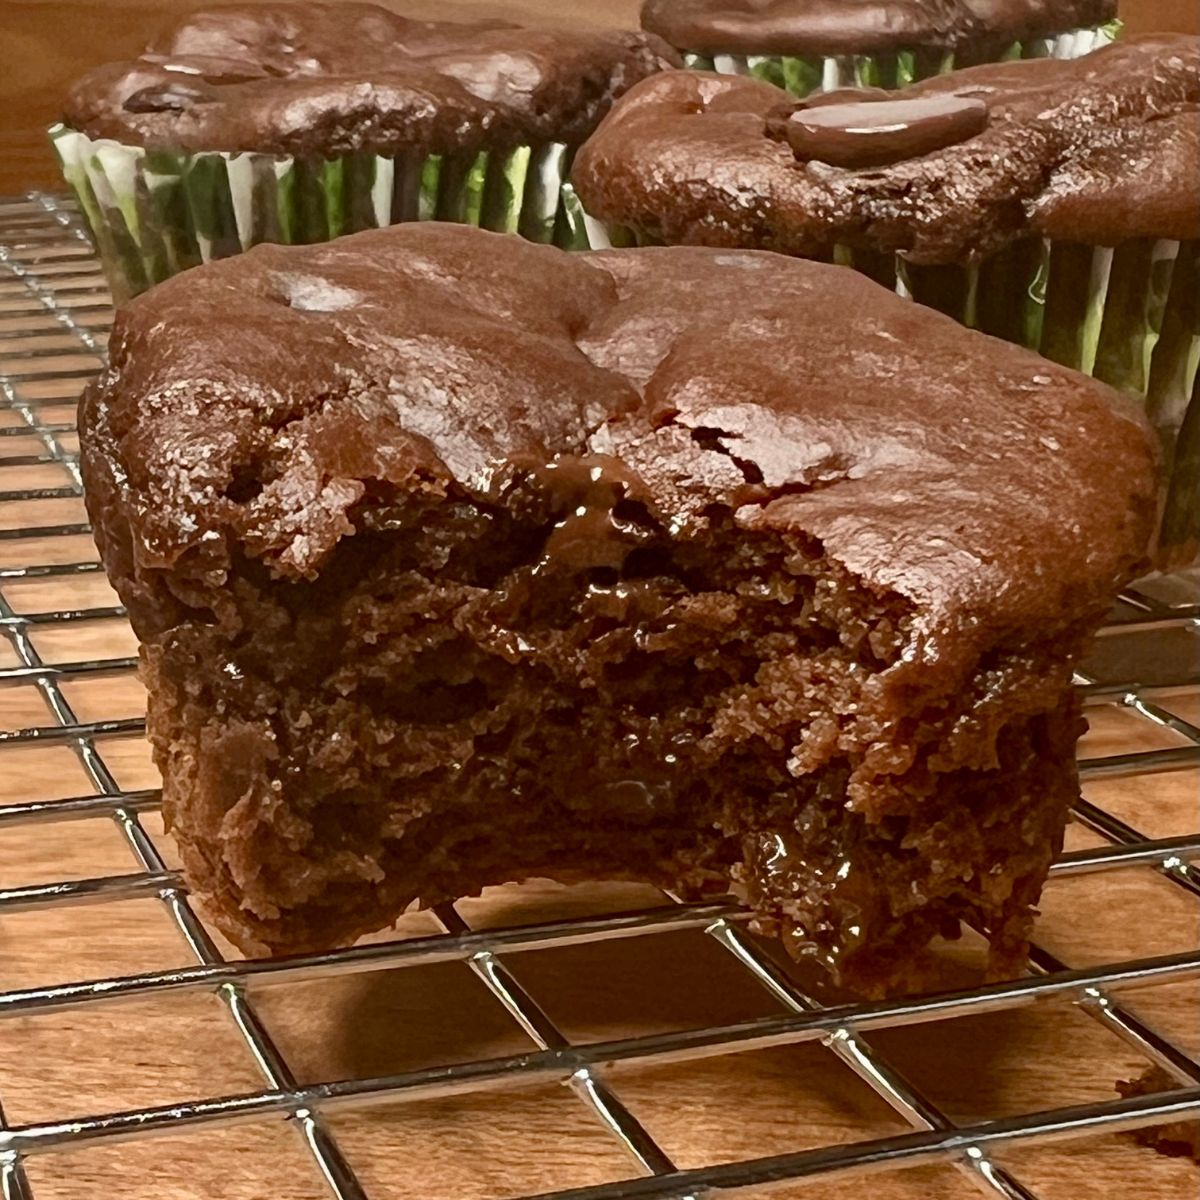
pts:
[44, 44]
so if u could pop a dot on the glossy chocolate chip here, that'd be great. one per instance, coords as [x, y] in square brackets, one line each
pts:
[778, 117]
[873, 133]
[212, 68]
[167, 97]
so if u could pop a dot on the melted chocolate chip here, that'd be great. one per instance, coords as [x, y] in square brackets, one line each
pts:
[169, 97]
[875, 133]
[585, 491]
[211, 68]
[781, 114]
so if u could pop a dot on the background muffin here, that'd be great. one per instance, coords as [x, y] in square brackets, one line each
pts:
[1050, 203]
[296, 123]
[812, 45]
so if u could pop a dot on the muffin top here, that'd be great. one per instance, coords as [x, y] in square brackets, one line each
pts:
[329, 79]
[277, 402]
[1097, 150]
[832, 27]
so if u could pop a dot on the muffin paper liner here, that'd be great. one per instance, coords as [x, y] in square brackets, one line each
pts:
[804, 75]
[1129, 315]
[153, 214]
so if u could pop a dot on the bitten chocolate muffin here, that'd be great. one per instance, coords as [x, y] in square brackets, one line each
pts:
[812, 45]
[458, 560]
[299, 122]
[1051, 203]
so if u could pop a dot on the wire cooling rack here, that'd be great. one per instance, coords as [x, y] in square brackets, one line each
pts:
[396, 1086]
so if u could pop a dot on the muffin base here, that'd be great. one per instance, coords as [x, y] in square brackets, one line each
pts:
[152, 214]
[803, 75]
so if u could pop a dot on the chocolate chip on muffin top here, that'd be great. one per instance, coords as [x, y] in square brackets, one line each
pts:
[854, 128]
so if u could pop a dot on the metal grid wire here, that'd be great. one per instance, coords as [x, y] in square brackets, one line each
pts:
[53, 322]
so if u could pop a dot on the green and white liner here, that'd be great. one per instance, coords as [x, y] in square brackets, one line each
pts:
[1128, 315]
[154, 213]
[803, 75]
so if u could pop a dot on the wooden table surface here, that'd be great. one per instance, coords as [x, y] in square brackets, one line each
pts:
[44, 44]
[63, 1064]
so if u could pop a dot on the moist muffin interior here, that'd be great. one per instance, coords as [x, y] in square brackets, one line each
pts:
[563, 688]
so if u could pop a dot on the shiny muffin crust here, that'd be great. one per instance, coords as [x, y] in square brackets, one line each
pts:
[330, 79]
[457, 560]
[833, 27]
[1098, 150]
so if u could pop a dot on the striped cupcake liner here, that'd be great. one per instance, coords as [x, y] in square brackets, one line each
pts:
[153, 214]
[804, 75]
[1129, 315]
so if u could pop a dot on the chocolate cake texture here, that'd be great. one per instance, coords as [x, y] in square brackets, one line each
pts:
[1177, 1139]
[458, 560]
[834, 27]
[1096, 150]
[332, 79]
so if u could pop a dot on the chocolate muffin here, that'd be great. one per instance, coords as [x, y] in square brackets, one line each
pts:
[300, 122]
[818, 45]
[457, 560]
[1051, 203]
